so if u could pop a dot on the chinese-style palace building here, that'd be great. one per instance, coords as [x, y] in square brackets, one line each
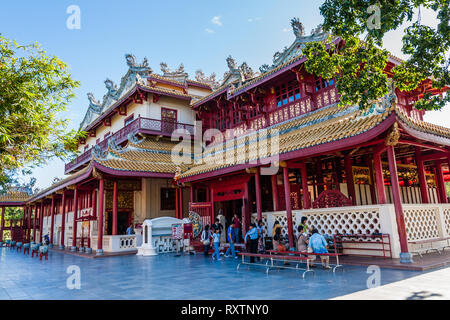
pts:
[350, 171]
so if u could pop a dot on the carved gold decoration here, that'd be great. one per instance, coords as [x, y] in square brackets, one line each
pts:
[125, 200]
[393, 136]
[97, 174]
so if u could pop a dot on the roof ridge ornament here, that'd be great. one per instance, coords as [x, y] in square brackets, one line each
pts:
[297, 27]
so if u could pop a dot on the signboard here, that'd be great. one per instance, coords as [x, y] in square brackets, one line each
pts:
[86, 214]
[177, 231]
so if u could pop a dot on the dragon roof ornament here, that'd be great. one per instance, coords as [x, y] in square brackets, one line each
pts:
[211, 80]
[295, 49]
[237, 74]
[135, 74]
[178, 74]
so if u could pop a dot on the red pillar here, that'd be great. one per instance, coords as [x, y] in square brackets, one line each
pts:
[75, 223]
[246, 220]
[400, 218]
[63, 221]
[306, 195]
[52, 220]
[379, 179]
[41, 221]
[101, 194]
[181, 203]
[191, 194]
[276, 205]
[30, 211]
[177, 204]
[211, 197]
[258, 194]
[372, 185]
[94, 213]
[441, 182]
[349, 178]
[422, 178]
[2, 226]
[36, 209]
[287, 198]
[114, 215]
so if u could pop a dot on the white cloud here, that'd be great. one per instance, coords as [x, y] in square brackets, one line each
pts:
[254, 19]
[286, 29]
[216, 20]
[207, 30]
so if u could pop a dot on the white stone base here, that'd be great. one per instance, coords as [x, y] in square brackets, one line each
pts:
[146, 251]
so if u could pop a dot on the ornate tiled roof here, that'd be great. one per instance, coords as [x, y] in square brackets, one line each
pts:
[147, 155]
[14, 197]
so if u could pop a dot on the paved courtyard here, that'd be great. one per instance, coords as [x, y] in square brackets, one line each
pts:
[169, 277]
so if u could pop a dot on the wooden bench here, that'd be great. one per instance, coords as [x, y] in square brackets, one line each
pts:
[273, 258]
[438, 249]
[300, 253]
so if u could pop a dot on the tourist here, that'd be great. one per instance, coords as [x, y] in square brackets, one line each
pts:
[206, 235]
[236, 227]
[130, 230]
[216, 238]
[276, 235]
[304, 225]
[230, 236]
[223, 223]
[217, 226]
[302, 240]
[252, 234]
[318, 244]
[260, 228]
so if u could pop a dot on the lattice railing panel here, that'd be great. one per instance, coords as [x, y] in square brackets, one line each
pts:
[264, 219]
[421, 223]
[446, 212]
[346, 222]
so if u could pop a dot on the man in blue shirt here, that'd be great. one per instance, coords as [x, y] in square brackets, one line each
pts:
[253, 235]
[230, 236]
[318, 244]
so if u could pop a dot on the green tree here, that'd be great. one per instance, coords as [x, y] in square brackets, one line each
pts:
[34, 89]
[359, 65]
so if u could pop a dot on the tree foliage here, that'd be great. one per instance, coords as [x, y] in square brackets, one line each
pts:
[34, 89]
[359, 65]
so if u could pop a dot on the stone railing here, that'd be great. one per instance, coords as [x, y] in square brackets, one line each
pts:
[422, 221]
[120, 243]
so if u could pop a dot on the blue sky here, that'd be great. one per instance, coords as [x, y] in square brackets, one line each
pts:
[197, 33]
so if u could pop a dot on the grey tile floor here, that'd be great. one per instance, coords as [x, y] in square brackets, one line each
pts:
[168, 277]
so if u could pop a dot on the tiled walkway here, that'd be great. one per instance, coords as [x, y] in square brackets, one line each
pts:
[169, 277]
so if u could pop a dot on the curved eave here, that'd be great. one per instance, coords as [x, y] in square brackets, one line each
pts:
[63, 185]
[165, 93]
[210, 97]
[12, 203]
[128, 173]
[423, 135]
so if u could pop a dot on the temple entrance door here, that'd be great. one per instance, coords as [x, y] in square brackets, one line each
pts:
[123, 222]
[230, 208]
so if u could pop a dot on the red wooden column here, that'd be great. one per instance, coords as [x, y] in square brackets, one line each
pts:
[405, 256]
[287, 198]
[63, 221]
[440, 182]
[36, 209]
[191, 194]
[52, 220]
[181, 203]
[41, 221]
[258, 194]
[30, 212]
[422, 178]
[372, 185]
[75, 223]
[246, 210]
[115, 209]
[276, 202]
[379, 178]
[306, 195]
[2, 226]
[177, 204]
[211, 198]
[101, 195]
[349, 178]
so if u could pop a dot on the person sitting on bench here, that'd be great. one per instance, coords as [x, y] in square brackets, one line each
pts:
[318, 244]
